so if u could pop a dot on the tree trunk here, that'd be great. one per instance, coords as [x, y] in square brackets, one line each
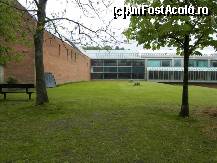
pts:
[185, 104]
[41, 91]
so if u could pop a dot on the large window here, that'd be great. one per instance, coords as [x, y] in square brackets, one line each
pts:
[139, 70]
[177, 63]
[213, 75]
[213, 63]
[198, 75]
[110, 62]
[198, 63]
[124, 62]
[124, 69]
[124, 76]
[97, 69]
[97, 62]
[97, 76]
[154, 63]
[138, 63]
[178, 75]
[166, 63]
[138, 76]
[110, 76]
[110, 69]
[159, 63]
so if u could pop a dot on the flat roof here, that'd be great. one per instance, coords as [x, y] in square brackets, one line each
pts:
[130, 54]
[182, 69]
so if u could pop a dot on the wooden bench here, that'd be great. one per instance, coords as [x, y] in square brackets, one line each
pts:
[16, 88]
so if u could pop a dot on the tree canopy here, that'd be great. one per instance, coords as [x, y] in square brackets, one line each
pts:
[10, 31]
[185, 32]
[160, 30]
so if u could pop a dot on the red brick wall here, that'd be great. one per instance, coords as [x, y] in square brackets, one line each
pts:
[67, 64]
[22, 70]
[65, 69]
[75, 67]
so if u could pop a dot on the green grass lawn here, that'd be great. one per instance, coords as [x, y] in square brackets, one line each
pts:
[109, 121]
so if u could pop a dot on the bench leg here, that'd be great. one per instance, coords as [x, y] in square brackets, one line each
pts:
[4, 96]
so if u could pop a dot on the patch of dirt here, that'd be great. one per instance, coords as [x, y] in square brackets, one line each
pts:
[212, 112]
[209, 85]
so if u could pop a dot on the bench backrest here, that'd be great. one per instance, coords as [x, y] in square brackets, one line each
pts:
[17, 86]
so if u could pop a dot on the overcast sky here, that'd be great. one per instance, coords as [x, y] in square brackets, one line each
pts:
[90, 19]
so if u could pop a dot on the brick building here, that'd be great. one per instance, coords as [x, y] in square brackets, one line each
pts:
[64, 61]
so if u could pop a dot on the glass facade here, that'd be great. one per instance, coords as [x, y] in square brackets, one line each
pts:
[110, 62]
[118, 69]
[198, 63]
[199, 76]
[159, 63]
[165, 69]
[177, 62]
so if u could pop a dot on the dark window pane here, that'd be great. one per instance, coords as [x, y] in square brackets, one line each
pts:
[97, 76]
[165, 63]
[110, 62]
[213, 63]
[138, 76]
[124, 69]
[177, 63]
[138, 63]
[110, 69]
[124, 76]
[192, 63]
[97, 62]
[140, 70]
[178, 75]
[124, 62]
[198, 63]
[97, 69]
[151, 75]
[110, 76]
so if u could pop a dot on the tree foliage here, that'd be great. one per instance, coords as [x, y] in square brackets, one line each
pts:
[157, 31]
[187, 33]
[10, 32]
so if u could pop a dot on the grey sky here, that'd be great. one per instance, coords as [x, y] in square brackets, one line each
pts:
[91, 20]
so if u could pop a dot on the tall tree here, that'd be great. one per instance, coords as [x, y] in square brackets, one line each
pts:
[53, 23]
[185, 32]
[41, 92]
